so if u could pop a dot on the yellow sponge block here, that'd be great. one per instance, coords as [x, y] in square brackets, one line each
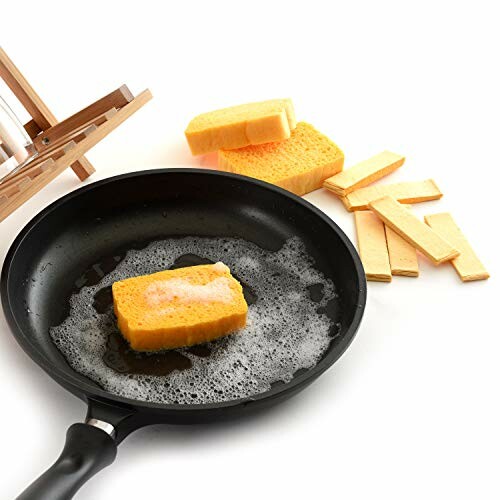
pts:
[179, 307]
[239, 126]
[299, 164]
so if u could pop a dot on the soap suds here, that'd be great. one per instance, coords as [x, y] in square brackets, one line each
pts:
[220, 267]
[287, 330]
[183, 292]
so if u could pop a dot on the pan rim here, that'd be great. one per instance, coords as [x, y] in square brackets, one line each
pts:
[80, 387]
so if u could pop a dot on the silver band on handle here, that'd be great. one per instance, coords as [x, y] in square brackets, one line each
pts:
[100, 424]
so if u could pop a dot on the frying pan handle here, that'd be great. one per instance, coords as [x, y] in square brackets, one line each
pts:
[88, 450]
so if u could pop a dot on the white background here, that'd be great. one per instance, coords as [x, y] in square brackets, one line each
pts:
[412, 409]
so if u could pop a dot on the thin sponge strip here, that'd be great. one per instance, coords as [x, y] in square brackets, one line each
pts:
[179, 307]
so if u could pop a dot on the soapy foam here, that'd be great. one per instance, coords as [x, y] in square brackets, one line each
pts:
[184, 292]
[286, 329]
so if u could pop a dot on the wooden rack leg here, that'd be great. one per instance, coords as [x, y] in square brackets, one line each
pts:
[39, 111]
[32, 128]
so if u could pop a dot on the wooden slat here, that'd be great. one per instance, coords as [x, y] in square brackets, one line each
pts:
[86, 132]
[38, 110]
[25, 92]
[116, 99]
[107, 127]
[16, 201]
[37, 163]
[10, 190]
[75, 133]
[24, 184]
[36, 185]
[32, 128]
[83, 168]
[38, 160]
[19, 186]
[31, 172]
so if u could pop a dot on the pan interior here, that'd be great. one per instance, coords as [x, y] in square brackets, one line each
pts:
[288, 325]
[82, 235]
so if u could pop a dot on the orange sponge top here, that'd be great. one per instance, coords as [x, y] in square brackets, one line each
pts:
[299, 164]
[179, 307]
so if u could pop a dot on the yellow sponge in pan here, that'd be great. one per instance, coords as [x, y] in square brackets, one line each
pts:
[179, 307]
[239, 126]
[299, 164]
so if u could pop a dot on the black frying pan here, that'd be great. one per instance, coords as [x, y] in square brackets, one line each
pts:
[69, 237]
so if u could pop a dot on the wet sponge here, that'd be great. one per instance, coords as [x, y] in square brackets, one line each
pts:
[299, 164]
[179, 307]
[239, 126]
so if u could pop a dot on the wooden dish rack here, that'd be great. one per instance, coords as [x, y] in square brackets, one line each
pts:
[59, 144]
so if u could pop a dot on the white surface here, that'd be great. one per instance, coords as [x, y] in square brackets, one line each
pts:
[412, 409]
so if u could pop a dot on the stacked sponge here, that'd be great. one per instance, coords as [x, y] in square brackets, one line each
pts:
[264, 141]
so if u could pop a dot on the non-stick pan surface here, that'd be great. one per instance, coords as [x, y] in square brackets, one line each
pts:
[81, 231]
